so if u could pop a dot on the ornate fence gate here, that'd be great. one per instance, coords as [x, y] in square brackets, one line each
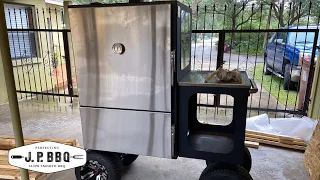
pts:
[39, 46]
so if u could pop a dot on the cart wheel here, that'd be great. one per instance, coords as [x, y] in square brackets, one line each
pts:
[100, 165]
[247, 160]
[128, 159]
[219, 171]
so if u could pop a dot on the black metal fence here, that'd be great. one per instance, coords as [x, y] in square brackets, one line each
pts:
[40, 52]
[270, 41]
[275, 43]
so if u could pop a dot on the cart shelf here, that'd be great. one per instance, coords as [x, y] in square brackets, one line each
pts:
[221, 143]
[196, 78]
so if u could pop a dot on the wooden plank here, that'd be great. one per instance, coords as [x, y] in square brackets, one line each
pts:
[252, 144]
[76, 144]
[41, 139]
[34, 175]
[7, 144]
[262, 137]
[3, 158]
[286, 138]
[276, 139]
[6, 165]
[44, 176]
[274, 143]
[4, 153]
[10, 172]
[275, 136]
[292, 142]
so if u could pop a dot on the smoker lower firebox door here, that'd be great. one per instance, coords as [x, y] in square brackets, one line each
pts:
[122, 56]
[125, 131]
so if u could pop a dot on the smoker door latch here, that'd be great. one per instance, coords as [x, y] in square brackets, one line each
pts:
[173, 65]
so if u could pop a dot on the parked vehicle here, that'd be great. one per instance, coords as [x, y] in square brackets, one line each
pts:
[285, 51]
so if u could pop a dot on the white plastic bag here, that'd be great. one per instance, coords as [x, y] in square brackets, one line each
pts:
[294, 127]
[260, 123]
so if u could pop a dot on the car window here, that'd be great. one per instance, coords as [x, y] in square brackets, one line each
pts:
[302, 37]
[279, 35]
[272, 38]
[283, 36]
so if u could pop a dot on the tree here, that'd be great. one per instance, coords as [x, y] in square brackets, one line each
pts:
[238, 12]
[288, 12]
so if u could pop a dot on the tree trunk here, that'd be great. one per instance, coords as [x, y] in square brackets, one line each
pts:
[267, 26]
[233, 27]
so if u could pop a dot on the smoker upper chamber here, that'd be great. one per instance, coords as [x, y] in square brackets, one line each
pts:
[140, 77]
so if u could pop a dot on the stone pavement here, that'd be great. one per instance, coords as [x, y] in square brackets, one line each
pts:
[62, 120]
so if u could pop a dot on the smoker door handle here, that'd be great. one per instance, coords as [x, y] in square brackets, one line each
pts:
[172, 72]
[173, 64]
[254, 88]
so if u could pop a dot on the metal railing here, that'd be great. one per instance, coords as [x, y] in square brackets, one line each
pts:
[235, 35]
[40, 53]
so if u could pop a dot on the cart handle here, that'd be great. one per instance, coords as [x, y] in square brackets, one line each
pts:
[254, 88]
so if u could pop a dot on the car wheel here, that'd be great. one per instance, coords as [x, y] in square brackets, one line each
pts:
[288, 84]
[247, 160]
[225, 171]
[100, 165]
[265, 69]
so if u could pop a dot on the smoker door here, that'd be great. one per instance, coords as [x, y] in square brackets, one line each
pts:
[139, 78]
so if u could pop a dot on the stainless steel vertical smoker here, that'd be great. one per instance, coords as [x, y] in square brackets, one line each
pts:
[138, 95]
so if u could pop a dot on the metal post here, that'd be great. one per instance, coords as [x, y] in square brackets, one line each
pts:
[68, 63]
[313, 111]
[10, 84]
[68, 55]
[222, 37]
[310, 75]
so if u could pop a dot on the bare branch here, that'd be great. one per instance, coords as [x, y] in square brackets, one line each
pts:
[292, 20]
[194, 5]
[249, 17]
[276, 12]
[220, 12]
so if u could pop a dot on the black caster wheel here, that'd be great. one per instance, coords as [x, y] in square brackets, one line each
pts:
[220, 171]
[128, 159]
[100, 165]
[247, 160]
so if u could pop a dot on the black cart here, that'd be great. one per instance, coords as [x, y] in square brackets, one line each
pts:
[138, 95]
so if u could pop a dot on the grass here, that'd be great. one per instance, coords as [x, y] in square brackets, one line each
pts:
[275, 91]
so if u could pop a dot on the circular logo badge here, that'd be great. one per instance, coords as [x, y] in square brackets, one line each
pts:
[118, 48]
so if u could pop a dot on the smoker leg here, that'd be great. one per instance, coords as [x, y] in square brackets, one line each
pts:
[247, 160]
[128, 159]
[221, 171]
[100, 165]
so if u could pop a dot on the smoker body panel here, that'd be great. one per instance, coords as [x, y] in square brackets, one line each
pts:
[138, 79]
[133, 132]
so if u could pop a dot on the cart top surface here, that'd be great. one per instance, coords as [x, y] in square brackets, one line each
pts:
[197, 78]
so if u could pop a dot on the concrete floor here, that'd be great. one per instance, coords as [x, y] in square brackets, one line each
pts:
[63, 121]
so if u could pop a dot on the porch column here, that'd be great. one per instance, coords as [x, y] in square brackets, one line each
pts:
[314, 107]
[10, 84]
